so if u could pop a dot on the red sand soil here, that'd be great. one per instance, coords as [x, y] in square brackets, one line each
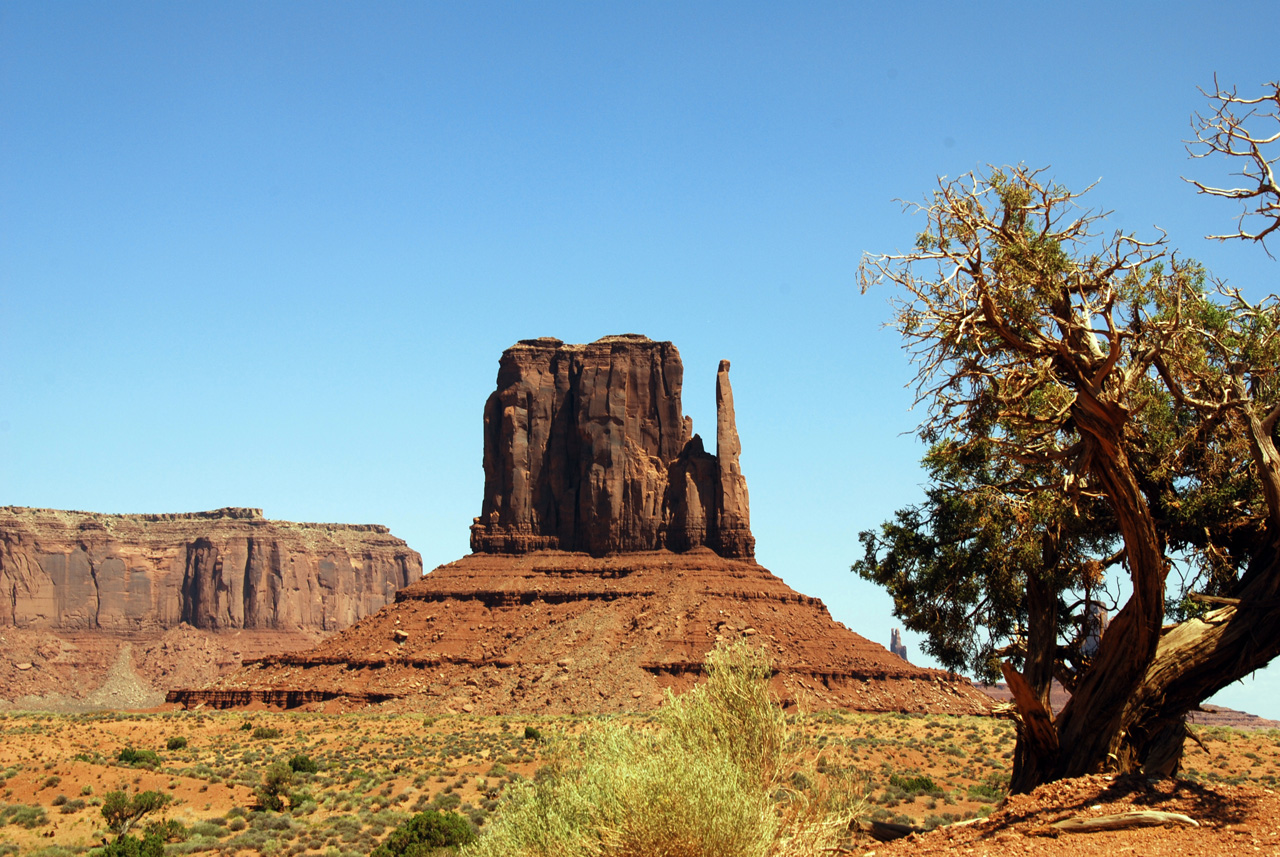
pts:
[1241, 819]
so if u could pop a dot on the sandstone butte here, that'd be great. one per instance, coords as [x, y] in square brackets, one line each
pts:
[611, 553]
[187, 593]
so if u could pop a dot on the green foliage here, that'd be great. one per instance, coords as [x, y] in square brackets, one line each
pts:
[176, 742]
[303, 764]
[993, 788]
[276, 783]
[267, 733]
[427, 831]
[958, 565]
[23, 816]
[169, 830]
[150, 845]
[1094, 402]
[122, 811]
[710, 778]
[920, 784]
[532, 733]
[139, 758]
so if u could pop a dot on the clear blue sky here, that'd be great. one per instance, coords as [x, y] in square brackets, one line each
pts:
[268, 254]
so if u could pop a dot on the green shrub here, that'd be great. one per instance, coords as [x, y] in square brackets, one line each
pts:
[209, 829]
[22, 815]
[176, 742]
[303, 764]
[275, 786]
[150, 845]
[532, 733]
[447, 800]
[266, 732]
[915, 785]
[425, 832]
[139, 758]
[711, 778]
[122, 812]
[169, 830]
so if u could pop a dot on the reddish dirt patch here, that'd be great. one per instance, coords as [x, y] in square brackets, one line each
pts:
[46, 670]
[1233, 820]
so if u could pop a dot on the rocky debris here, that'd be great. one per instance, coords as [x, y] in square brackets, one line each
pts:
[586, 449]
[221, 570]
[1229, 820]
[559, 633]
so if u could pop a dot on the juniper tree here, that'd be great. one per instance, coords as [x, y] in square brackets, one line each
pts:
[1095, 403]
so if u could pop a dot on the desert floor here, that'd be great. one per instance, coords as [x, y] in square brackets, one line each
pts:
[374, 770]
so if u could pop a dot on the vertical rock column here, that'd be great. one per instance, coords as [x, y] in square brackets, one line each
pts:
[733, 519]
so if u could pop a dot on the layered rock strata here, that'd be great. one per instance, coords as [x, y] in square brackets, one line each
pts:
[612, 554]
[586, 449]
[557, 633]
[229, 569]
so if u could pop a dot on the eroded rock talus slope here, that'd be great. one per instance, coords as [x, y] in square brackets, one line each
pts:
[612, 552]
[190, 593]
[557, 632]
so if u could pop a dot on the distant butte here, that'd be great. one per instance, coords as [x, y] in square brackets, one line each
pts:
[174, 598]
[611, 554]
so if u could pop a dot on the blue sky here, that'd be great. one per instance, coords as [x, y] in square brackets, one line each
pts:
[268, 254]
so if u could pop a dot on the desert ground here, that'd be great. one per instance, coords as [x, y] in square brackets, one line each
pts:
[374, 770]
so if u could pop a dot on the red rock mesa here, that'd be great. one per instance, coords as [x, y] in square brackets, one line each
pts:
[611, 553]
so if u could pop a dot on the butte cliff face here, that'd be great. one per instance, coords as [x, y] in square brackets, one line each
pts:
[612, 554]
[225, 570]
[586, 449]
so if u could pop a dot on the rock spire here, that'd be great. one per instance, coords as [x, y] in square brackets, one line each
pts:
[586, 449]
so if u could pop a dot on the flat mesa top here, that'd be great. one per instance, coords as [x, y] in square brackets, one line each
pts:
[553, 342]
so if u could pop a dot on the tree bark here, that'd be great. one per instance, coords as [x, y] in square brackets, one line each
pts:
[1036, 751]
[1092, 724]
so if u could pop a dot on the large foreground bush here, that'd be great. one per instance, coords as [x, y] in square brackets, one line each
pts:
[711, 779]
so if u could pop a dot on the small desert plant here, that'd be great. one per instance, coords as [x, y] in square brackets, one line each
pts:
[275, 786]
[150, 845]
[713, 777]
[23, 815]
[176, 742]
[266, 732]
[122, 812]
[425, 832]
[139, 758]
[303, 764]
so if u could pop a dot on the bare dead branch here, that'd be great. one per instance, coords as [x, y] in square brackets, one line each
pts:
[1225, 130]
